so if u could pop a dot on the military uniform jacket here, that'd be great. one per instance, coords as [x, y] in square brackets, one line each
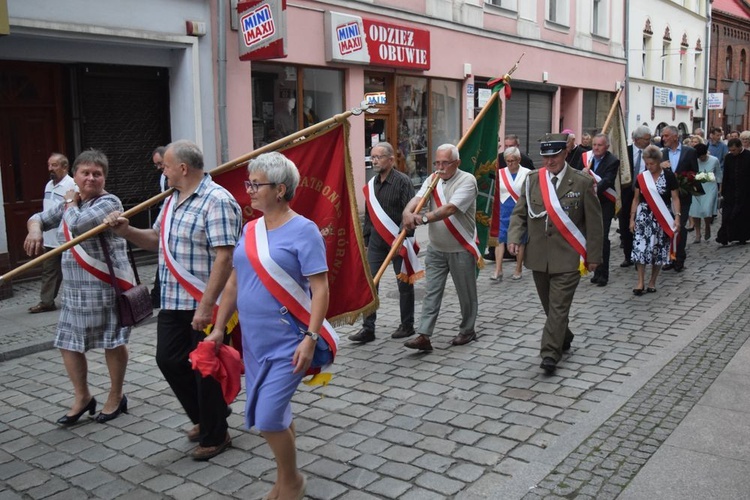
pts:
[547, 250]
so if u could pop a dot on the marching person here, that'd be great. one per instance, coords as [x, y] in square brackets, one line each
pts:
[386, 196]
[641, 140]
[452, 231]
[158, 157]
[195, 234]
[560, 212]
[605, 167]
[54, 194]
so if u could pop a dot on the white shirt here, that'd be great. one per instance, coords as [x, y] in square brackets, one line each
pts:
[54, 194]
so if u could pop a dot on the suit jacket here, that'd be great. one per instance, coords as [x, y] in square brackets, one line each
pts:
[608, 169]
[574, 157]
[526, 161]
[688, 162]
[547, 250]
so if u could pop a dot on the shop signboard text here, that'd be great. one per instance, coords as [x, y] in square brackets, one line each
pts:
[262, 29]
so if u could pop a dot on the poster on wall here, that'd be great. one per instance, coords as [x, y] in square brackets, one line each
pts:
[361, 40]
[262, 29]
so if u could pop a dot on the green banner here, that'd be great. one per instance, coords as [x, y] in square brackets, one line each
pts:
[479, 157]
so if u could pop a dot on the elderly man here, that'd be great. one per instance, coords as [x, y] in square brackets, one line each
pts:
[560, 212]
[386, 196]
[716, 146]
[574, 151]
[641, 140]
[605, 167]
[195, 234]
[682, 159]
[512, 141]
[452, 230]
[54, 194]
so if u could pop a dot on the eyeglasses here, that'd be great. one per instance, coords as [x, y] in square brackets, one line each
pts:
[380, 157]
[511, 160]
[441, 164]
[255, 186]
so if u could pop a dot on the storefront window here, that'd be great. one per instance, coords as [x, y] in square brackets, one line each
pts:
[289, 98]
[411, 102]
[445, 100]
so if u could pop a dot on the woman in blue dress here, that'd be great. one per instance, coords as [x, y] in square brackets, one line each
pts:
[509, 182]
[278, 348]
[705, 206]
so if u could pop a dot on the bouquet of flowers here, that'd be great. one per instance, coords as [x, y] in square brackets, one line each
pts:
[705, 177]
[690, 184]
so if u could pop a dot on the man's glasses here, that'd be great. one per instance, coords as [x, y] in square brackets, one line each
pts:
[255, 186]
[380, 157]
[441, 164]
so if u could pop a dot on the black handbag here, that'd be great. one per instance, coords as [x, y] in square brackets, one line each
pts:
[134, 306]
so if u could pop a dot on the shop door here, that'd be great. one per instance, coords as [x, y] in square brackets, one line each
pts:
[376, 130]
[30, 129]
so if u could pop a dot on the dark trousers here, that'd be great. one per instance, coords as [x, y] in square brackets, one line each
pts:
[51, 279]
[156, 290]
[626, 237]
[375, 257]
[201, 397]
[685, 201]
[608, 213]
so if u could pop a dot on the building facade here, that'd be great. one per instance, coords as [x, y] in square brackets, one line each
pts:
[730, 48]
[667, 63]
[429, 84]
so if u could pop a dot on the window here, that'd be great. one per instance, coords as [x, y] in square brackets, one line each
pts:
[683, 68]
[743, 64]
[600, 18]
[697, 69]
[596, 105]
[557, 11]
[504, 4]
[728, 65]
[289, 98]
[644, 55]
[664, 61]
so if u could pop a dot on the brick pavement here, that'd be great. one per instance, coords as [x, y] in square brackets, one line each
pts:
[476, 421]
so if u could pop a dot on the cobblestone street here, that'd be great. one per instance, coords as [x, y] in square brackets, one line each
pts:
[469, 422]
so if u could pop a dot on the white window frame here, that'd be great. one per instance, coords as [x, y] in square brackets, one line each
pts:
[600, 18]
[511, 5]
[557, 12]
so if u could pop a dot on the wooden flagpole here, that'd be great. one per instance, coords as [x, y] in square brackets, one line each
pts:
[402, 235]
[159, 197]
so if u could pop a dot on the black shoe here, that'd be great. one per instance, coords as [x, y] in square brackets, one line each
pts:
[626, 263]
[72, 419]
[668, 267]
[121, 408]
[595, 280]
[402, 332]
[679, 266]
[602, 281]
[363, 336]
[566, 345]
[464, 338]
[549, 365]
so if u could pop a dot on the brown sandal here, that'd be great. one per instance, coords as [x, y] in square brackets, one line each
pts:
[40, 308]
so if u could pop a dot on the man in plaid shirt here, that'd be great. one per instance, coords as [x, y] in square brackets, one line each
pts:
[201, 225]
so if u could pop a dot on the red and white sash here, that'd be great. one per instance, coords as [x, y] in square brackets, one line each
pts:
[512, 187]
[188, 281]
[468, 241]
[658, 207]
[97, 268]
[588, 158]
[411, 268]
[559, 218]
[278, 282]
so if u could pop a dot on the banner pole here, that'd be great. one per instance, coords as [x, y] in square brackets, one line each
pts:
[341, 117]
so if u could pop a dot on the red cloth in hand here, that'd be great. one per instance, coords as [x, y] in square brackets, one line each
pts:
[226, 367]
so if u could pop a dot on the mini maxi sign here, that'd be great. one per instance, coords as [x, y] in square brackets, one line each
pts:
[262, 29]
[354, 39]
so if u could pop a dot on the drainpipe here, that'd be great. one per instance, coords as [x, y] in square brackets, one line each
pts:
[221, 47]
[626, 22]
[706, 73]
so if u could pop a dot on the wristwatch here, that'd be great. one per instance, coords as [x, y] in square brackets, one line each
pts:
[425, 220]
[69, 200]
[314, 336]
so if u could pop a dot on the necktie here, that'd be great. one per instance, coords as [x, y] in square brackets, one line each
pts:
[554, 181]
[638, 162]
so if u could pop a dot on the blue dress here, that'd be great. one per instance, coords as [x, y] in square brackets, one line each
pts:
[269, 335]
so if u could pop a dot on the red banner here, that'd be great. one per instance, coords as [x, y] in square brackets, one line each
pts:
[325, 195]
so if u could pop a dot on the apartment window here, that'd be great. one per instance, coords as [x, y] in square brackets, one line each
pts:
[728, 63]
[504, 4]
[743, 64]
[696, 69]
[683, 69]
[557, 11]
[644, 55]
[600, 18]
[664, 61]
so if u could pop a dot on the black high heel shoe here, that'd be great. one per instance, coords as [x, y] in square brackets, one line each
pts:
[121, 408]
[72, 419]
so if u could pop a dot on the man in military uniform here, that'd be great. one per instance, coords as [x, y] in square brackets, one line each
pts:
[560, 212]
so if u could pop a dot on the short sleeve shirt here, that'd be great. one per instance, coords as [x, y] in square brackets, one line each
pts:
[460, 191]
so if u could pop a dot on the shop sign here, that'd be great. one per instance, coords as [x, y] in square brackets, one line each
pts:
[375, 98]
[262, 29]
[664, 97]
[681, 101]
[716, 100]
[360, 40]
